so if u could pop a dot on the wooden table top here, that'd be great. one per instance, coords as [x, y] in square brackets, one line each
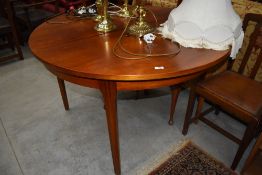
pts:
[75, 48]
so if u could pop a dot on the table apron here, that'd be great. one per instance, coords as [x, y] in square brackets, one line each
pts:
[152, 84]
[124, 85]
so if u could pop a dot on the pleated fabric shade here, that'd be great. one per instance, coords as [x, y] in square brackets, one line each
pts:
[211, 24]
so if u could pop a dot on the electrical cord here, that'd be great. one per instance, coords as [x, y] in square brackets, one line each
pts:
[119, 45]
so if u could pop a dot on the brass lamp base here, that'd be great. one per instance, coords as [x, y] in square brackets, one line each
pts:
[98, 18]
[125, 12]
[140, 27]
[105, 25]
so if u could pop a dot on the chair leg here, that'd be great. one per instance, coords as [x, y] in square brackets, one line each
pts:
[137, 94]
[252, 154]
[19, 51]
[61, 84]
[247, 138]
[200, 104]
[175, 90]
[145, 93]
[259, 130]
[217, 110]
[190, 107]
[10, 41]
[13, 30]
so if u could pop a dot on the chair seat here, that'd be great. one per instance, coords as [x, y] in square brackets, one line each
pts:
[244, 101]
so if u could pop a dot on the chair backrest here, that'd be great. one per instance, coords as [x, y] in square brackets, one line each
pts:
[255, 43]
[7, 13]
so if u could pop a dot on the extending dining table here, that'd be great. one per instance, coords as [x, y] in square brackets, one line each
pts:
[75, 52]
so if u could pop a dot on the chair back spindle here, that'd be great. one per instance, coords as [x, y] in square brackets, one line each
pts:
[255, 43]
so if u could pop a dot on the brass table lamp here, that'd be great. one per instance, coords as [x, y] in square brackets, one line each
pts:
[99, 7]
[106, 24]
[125, 12]
[140, 27]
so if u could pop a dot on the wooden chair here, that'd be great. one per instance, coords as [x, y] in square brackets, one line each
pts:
[236, 94]
[254, 161]
[34, 12]
[8, 32]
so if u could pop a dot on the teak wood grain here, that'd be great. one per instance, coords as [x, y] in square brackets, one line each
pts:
[75, 49]
[75, 52]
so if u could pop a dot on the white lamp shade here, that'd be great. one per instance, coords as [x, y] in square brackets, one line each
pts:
[211, 24]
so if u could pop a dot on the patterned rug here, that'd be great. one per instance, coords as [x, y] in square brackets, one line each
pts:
[189, 159]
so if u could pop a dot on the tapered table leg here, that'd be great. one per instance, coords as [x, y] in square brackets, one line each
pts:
[61, 84]
[189, 112]
[109, 91]
[175, 90]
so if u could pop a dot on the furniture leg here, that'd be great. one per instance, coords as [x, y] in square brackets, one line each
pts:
[61, 84]
[10, 41]
[14, 31]
[247, 138]
[18, 48]
[137, 94]
[146, 92]
[200, 104]
[190, 107]
[252, 155]
[217, 110]
[175, 90]
[109, 92]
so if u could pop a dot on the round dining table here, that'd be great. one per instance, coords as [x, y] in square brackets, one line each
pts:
[74, 51]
